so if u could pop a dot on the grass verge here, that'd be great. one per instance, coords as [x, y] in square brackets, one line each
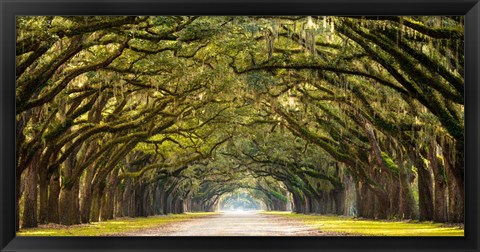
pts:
[109, 227]
[364, 227]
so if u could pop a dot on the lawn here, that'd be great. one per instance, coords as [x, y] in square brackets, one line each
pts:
[109, 227]
[365, 227]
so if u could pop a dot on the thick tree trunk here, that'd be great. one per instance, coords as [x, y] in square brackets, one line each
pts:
[407, 202]
[139, 200]
[440, 187]
[126, 198]
[86, 193]
[394, 188]
[459, 174]
[381, 208]
[76, 203]
[66, 206]
[97, 193]
[131, 203]
[146, 202]
[43, 181]
[20, 138]
[407, 208]
[163, 199]
[30, 194]
[157, 200]
[323, 202]
[151, 199]
[167, 198]
[170, 203]
[68, 199]
[359, 204]
[179, 206]
[298, 203]
[53, 198]
[18, 195]
[456, 184]
[107, 206]
[108, 199]
[366, 202]
[377, 198]
[456, 200]
[425, 189]
[338, 195]
[118, 210]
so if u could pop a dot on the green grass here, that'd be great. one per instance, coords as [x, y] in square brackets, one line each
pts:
[349, 225]
[108, 227]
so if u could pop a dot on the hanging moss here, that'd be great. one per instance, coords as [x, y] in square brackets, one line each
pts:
[390, 164]
[279, 196]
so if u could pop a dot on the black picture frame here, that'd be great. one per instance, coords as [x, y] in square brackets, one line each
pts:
[10, 8]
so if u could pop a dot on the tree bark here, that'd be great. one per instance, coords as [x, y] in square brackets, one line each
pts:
[407, 202]
[407, 208]
[53, 198]
[108, 199]
[338, 195]
[66, 205]
[30, 195]
[425, 188]
[18, 195]
[440, 187]
[97, 202]
[86, 193]
[43, 181]
[456, 184]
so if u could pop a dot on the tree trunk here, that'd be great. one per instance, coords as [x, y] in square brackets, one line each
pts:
[156, 200]
[86, 193]
[425, 188]
[53, 198]
[68, 199]
[407, 208]
[456, 184]
[76, 204]
[339, 198]
[107, 203]
[18, 195]
[394, 187]
[407, 202]
[298, 204]
[126, 198]
[66, 205]
[132, 202]
[108, 199]
[367, 203]
[139, 199]
[30, 195]
[440, 187]
[97, 193]
[43, 196]
[146, 201]
[118, 210]
[381, 207]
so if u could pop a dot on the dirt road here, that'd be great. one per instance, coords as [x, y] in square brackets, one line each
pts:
[233, 224]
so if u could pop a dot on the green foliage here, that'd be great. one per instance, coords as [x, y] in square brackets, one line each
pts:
[390, 164]
[279, 196]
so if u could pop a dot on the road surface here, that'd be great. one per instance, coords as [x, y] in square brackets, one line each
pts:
[248, 223]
